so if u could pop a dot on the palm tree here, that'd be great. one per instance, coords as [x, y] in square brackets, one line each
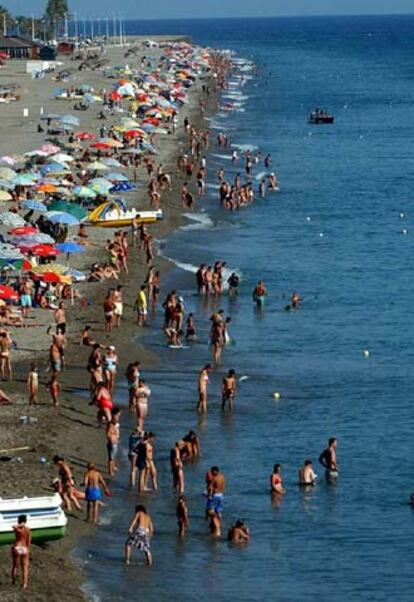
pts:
[55, 12]
[5, 17]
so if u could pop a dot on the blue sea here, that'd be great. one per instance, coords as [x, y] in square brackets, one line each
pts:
[340, 232]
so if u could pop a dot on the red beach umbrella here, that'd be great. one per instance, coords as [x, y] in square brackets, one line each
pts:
[51, 277]
[6, 292]
[22, 231]
[84, 136]
[100, 145]
[115, 96]
[134, 134]
[43, 250]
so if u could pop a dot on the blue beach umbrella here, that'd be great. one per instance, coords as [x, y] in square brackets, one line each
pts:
[123, 187]
[57, 217]
[34, 205]
[116, 177]
[69, 120]
[70, 247]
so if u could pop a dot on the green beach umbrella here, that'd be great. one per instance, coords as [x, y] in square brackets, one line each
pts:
[71, 208]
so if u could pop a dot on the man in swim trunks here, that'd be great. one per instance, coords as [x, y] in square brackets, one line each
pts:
[228, 390]
[328, 459]
[112, 442]
[259, 293]
[215, 499]
[26, 292]
[20, 550]
[139, 534]
[94, 481]
[307, 475]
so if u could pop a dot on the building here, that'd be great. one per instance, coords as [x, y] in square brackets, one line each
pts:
[18, 48]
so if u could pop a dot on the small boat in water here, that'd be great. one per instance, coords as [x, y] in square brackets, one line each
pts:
[45, 518]
[115, 214]
[319, 116]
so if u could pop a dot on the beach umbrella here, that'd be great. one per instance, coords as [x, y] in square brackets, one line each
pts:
[7, 174]
[86, 88]
[5, 196]
[111, 142]
[6, 292]
[59, 217]
[50, 277]
[6, 185]
[23, 180]
[123, 187]
[70, 247]
[116, 177]
[69, 120]
[100, 185]
[76, 275]
[126, 89]
[8, 160]
[109, 162]
[35, 153]
[33, 205]
[84, 136]
[53, 168]
[61, 158]
[40, 250]
[22, 231]
[37, 238]
[72, 208]
[100, 145]
[96, 166]
[50, 116]
[11, 219]
[50, 149]
[47, 188]
[83, 192]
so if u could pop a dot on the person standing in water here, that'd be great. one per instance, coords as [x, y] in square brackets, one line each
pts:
[93, 482]
[216, 486]
[203, 381]
[182, 516]
[276, 482]
[140, 533]
[228, 390]
[20, 550]
[307, 475]
[328, 459]
[259, 293]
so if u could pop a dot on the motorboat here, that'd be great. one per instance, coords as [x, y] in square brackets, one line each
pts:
[319, 116]
[45, 518]
[115, 214]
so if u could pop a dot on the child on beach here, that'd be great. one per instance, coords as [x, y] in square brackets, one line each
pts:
[54, 389]
[33, 384]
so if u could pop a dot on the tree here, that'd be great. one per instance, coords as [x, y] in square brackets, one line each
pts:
[9, 19]
[55, 12]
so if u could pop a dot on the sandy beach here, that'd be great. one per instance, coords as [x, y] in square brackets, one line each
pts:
[71, 429]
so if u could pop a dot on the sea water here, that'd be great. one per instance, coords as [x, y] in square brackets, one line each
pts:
[334, 233]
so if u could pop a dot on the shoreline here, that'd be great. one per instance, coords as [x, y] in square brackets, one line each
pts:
[71, 430]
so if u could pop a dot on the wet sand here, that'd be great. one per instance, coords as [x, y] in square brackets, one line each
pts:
[71, 430]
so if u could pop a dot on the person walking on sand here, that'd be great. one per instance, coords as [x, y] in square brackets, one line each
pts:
[94, 483]
[20, 550]
[139, 534]
[5, 350]
[141, 305]
[182, 516]
[203, 381]
[33, 385]
[54, 389]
